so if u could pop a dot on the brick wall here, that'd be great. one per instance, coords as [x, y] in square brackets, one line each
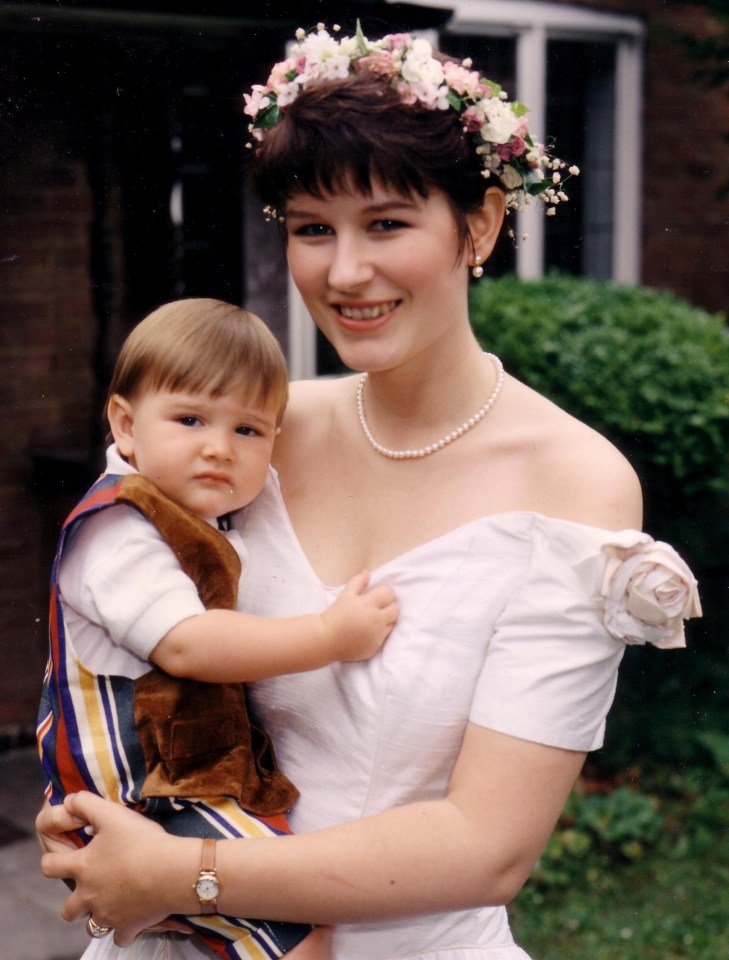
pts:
[46, 336]
[687, 226]
[685, 222]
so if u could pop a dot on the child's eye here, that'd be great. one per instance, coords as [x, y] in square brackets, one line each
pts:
[247, 431]
[189, 421]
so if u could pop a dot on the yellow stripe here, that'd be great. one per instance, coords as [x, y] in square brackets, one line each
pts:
[96, 726]
[245, 946]
[245, 823]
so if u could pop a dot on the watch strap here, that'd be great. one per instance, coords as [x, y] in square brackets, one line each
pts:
[207, 870]
[207, 857]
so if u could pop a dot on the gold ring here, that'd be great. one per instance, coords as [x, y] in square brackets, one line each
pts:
[95, 929]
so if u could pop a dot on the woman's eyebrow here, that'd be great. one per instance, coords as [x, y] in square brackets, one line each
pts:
[386, 206]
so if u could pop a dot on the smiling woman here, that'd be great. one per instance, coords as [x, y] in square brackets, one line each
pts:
[431, 775]
[368, 264]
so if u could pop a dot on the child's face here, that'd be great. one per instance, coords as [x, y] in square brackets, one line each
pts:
[208, 454]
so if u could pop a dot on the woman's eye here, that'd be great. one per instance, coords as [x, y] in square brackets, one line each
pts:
[386, 226]
[312, 230]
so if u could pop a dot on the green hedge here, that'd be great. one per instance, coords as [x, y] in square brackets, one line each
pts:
[651, 372]
[641, 366]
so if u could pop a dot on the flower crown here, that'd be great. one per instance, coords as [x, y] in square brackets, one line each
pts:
[498, 126]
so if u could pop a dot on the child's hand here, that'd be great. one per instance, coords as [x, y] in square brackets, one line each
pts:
[358, 623]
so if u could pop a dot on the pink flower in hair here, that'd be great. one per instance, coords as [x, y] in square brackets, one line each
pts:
[406, 93]
[398, 41]
[379, 62]
[514, 148]
[462, 81]
[472, 120]
[279, 74]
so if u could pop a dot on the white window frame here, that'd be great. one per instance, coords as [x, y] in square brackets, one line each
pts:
[533, 24]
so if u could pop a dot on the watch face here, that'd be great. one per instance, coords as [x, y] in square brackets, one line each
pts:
[207, 888]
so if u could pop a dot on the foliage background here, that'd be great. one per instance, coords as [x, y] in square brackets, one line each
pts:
[638, 867]
[650, 372]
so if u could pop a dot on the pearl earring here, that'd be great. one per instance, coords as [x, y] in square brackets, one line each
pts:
[477, 269]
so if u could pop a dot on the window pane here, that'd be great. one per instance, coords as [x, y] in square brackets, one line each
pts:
[580, 112]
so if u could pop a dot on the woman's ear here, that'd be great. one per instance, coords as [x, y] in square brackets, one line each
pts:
[120, 414]
[484, 226]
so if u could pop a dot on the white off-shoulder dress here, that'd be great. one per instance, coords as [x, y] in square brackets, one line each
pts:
[502, 624]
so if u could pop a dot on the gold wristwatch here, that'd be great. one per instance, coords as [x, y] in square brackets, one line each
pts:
[207, 885]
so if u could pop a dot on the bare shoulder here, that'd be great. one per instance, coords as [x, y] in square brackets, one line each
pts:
[310, 414]
[581, 475]
[320, 398]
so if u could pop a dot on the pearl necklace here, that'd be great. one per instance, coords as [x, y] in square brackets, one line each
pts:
[438, 444]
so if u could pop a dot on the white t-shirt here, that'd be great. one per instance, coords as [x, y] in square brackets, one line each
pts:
[122, 587]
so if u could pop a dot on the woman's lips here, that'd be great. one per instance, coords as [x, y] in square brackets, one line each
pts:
[364, 316]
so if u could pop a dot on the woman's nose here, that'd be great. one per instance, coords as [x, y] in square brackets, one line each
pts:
[351, 268]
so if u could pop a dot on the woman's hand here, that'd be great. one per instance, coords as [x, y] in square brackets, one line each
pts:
[116, 889]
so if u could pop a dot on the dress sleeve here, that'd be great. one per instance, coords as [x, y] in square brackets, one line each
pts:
[551, 668]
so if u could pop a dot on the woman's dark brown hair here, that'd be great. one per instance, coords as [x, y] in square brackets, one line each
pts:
[344, 135]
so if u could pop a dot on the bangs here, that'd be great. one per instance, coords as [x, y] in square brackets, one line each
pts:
[215, 363]
[324, 161]
[345, 135]
[203, 346]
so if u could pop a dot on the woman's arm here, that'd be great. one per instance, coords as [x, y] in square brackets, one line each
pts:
[477, 846]
[226, 646]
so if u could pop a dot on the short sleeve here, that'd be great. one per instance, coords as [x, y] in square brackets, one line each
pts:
[551, 667]
[119, 573]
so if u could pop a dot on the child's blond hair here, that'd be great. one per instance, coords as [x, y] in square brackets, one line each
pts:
[203, 345]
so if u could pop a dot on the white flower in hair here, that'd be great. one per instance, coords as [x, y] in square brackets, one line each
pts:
[256, 100]
[511, 178]
[497, 126]
[419, 66]
[501, 122]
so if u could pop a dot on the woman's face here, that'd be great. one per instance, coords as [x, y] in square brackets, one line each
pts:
[383, 275]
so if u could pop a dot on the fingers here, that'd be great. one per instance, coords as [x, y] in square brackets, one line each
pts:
[92, 812]
[84, 806]
[382, 596]
[59, 864]
[54, 826]
[392, 612]
[358, 583]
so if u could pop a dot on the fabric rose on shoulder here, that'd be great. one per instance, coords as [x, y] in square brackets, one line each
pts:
[649, 591]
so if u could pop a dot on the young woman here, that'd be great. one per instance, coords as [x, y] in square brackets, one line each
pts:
[432, 775]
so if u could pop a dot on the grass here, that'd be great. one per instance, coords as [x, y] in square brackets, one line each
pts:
[669, 902]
